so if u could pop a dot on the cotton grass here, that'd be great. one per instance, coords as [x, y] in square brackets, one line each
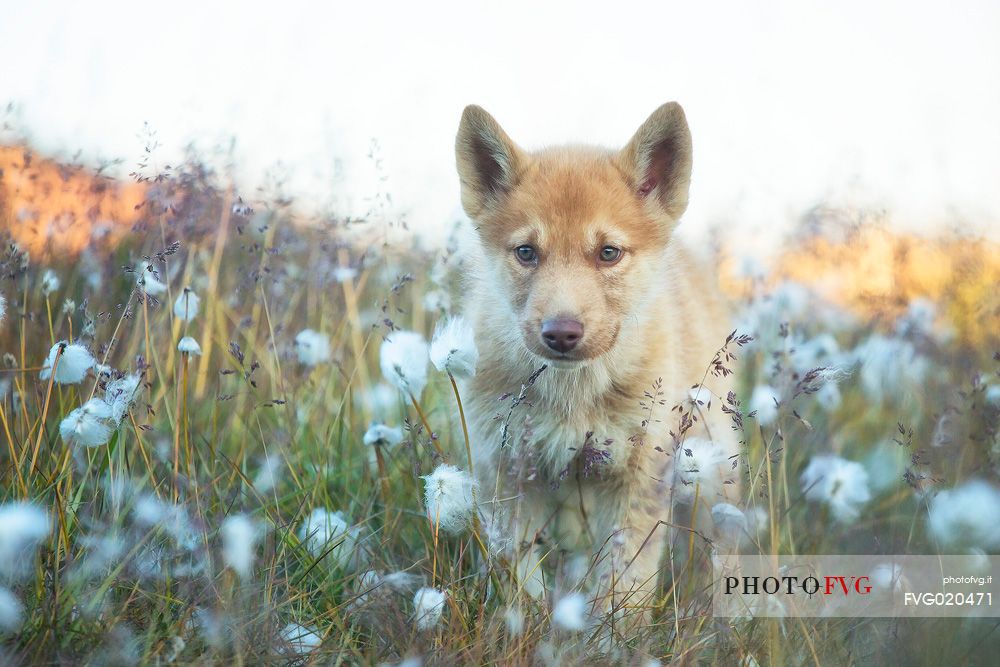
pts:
[453, 348]
[11, 611]
[23, 526]
[730, 523]
[50, 282]
[570, 613]
[201, 526]
[240, 535]
[966, 516]
[839, 484]
[300, 639]
[186, 306]
[147, 279]
[428, 605]
[89, 425]
[449, 497]
[764, 402]
[385, 436]
[122, 393]
[188, 345]
[403, 359]
[71, 366]
[328, 535]
[701, 469]
[312, 347]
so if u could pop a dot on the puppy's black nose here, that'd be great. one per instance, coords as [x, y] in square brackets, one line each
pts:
[562, 333]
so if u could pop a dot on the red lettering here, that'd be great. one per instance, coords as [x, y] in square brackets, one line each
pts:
[831, 585]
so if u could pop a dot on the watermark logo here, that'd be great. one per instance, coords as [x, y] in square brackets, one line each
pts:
[855, 586]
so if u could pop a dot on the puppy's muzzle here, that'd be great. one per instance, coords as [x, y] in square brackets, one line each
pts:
[562, 333]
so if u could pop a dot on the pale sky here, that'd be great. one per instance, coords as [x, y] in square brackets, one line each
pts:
[791, 103]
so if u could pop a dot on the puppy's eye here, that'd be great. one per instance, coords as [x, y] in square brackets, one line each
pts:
[526, 254]
[610, 254]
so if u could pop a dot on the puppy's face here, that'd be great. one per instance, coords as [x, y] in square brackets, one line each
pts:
[574, 235]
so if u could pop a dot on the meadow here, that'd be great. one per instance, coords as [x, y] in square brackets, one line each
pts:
[203, 461]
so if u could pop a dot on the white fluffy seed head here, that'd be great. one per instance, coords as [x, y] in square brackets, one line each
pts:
[701, 469]
[301, 639]
[241, 208]
[186, 306]
[72, 366]
[730, 523]
[22, 527]
[11, 611]
[328, 534]
[385, 436]
[449, 495]
[50, 282]
[403, 359]
[570, 613]
[312, 347]
[918, 320]
[758, 520]
[370, 579]
[453, 349]
[149, 510]
[209, 626]
[888, 577]
[121, 395]
[821, 351]
[763, 402]
[372, 585]
[269, 474]
[189, 345]
[700, 395]
[513, 618]
[839, 484]
[890, 367]
[966, 516]
[89, 425]
[368, 586]
[239, 542]
[101, 553]
[147, 278]
[428, 604]
[829, 397]
[344, 274]
[437, 301]
[172, 519]
[97, 408]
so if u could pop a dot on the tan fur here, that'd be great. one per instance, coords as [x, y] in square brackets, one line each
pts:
[654, 314]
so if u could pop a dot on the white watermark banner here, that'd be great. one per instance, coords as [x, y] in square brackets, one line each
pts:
[749, 586]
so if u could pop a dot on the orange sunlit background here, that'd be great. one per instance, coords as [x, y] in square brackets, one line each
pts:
[853, 260]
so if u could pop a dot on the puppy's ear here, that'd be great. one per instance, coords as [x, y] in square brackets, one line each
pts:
[488, 161]
[659, 160]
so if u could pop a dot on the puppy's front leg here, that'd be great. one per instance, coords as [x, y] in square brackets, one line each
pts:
[628, 582]
[519, 527]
